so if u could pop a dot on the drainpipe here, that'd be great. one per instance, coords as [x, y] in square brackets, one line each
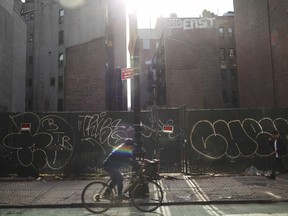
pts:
[271, 54]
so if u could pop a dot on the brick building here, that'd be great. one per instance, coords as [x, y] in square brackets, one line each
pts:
[195, 63]
[262, 50]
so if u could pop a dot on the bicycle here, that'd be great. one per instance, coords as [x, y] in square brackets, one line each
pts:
[146, 194]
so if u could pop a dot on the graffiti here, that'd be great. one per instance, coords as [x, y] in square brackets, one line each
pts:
[40, 142]
[3, 109]
[154, 128]
[62, 145]
[188, 24]
[70, 142]
[5, 155]
[235, 138]
[99, 129]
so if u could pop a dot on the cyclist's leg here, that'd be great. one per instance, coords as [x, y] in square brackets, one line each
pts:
[147, 195]
[117, 179]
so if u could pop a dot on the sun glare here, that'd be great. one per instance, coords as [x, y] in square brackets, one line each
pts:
[148, 10]
[71, 3]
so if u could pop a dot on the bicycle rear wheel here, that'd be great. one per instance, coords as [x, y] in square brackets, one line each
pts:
[147, 196]
[97, 197]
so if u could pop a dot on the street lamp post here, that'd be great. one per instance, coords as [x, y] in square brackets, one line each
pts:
[139, 151]
[133, 47]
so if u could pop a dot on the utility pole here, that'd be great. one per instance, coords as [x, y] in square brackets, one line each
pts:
[139, 152]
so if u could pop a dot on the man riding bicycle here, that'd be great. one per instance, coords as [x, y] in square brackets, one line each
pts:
[123, 154]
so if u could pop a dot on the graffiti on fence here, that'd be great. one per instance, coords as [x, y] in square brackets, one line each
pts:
[3, 108]
[40, 142]
[5, 155]
[100, 129]
[233, 139]
[154, 128]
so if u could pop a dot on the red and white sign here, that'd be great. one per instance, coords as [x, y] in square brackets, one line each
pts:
[168, 129]
[127, 73]
[25, 126]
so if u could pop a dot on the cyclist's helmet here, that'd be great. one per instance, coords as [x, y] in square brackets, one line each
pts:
[129, 142]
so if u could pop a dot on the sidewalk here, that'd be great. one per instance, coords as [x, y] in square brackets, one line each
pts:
[178, 189]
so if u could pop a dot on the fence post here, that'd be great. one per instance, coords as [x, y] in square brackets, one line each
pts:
[183, 125]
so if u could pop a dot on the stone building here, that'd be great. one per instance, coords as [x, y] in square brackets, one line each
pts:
[72, 54]
[13, 42]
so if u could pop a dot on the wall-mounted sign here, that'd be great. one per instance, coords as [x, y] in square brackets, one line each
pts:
[25, 126]
[168, 129]
[127, 73]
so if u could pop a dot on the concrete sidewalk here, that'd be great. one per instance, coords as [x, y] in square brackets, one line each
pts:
[178, 189]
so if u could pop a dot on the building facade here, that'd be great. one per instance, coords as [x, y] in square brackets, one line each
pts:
[262, 45]
[12, 57]
[72, 54]
[195, 63]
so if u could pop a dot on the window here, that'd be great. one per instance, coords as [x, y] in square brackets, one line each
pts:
[2, 20]
[233, 74]
[222, 54]
[60, 60]
[60, 105]
[60, 82]
[31, 37]
[146, 44]
[157, 45]
[232, 53]
[31, 60]
[46, 104]
[30, 82]
[221, 32]
[61, 16]
[230, 30]
[52, 81]
[61, 37]
[30, 107]
[223, 74]
[223, 64]
[225, 96]
[234, 99]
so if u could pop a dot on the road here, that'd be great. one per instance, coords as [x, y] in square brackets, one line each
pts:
[264, 209]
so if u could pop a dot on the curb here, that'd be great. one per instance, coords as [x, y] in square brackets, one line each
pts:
[80, 205]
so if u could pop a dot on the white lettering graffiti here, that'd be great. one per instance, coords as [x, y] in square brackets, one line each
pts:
[100, 129]
[48, 143]
[234, 139]
[188, 24]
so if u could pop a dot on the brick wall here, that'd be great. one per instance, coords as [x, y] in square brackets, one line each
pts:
[85, 77]
[261, 38]
[193, 66]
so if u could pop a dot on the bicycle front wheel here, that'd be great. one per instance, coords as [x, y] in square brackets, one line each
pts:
[97, 197]
[147, 196]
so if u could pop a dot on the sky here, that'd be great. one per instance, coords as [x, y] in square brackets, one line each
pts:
[149, 10]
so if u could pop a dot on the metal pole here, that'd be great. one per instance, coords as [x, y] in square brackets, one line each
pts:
[139, 151]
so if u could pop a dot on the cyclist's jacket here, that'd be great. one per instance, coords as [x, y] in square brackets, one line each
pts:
[123, 154]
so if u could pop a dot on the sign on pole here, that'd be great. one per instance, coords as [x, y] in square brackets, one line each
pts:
[168, 129]
[127, 73]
